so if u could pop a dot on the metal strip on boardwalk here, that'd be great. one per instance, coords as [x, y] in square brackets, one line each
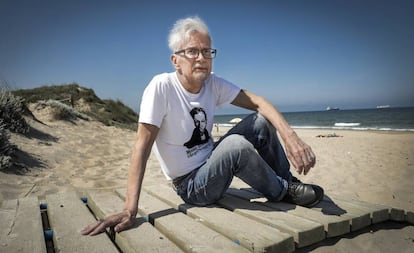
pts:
[251, 234]
[21, 226]
[67, 216]
[143, 237]
[189, 234]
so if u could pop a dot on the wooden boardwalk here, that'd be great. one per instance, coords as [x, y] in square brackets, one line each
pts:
[242, 221]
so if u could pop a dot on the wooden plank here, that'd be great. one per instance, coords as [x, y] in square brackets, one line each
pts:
[21, 226]
[143, 237]
[251, 234]
[305, 232]
[187, 233]
[379, 213]
[67, 216]
[397, 214]
[410, 217]
[358, 218]
[333, 225]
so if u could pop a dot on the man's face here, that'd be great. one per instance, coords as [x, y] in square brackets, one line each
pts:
[200, 120]
[194, 70]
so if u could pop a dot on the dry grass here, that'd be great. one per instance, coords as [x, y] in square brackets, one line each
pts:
[11, 119]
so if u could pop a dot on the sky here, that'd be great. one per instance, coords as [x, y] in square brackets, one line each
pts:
[300, 55]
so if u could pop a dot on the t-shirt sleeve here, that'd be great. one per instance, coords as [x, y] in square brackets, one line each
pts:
[153, 103]
[225, 91]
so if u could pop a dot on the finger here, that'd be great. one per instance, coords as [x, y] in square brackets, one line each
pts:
[311, 160]
[308, 167]
[306, 170]
[88, 229]
[123, 225]
[304, 160]
[102, 225]
[299, 168]
[312, 163]
[294, 160]
[300, 164]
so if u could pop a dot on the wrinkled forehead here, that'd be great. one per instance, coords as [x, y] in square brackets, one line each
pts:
[196, 39]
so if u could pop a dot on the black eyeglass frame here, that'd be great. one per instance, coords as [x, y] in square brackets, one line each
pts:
[213, 53]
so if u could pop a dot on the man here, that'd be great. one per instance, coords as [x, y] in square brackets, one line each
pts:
[201, 173]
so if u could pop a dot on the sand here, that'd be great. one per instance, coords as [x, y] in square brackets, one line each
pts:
[376, 167]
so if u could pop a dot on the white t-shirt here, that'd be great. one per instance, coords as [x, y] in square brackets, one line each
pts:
[185, 120]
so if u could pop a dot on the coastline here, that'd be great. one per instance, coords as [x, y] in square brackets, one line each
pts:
[394, 119]
[386, 130]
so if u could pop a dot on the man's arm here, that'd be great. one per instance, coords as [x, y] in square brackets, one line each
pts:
[298, 152]
[146, 135]
[145, 138]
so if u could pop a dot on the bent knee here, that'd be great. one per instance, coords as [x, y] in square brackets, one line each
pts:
[237, 142]
[261, 123]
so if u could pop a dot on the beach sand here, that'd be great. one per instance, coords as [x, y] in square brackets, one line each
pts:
[377, 167]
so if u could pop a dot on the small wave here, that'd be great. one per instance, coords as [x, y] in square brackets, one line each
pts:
[356, 128]
[343, 124]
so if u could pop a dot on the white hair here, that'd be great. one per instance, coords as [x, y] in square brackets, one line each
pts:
[182, 30]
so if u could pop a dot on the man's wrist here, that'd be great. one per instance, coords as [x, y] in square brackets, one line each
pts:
[287, 134]
[132, 213]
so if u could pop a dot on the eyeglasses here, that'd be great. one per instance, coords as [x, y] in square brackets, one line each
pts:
[193, 53]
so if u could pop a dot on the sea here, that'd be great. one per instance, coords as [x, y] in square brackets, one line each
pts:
[379, 119]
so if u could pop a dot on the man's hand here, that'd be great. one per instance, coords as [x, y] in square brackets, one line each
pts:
[300, 154]
[119, 222]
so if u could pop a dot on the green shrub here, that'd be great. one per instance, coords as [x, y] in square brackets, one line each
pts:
[11, 119]
[11, 112]
[6, 149]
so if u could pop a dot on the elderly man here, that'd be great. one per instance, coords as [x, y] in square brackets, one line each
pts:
[201, 172]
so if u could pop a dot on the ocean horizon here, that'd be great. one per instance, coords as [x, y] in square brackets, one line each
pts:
[379, 119]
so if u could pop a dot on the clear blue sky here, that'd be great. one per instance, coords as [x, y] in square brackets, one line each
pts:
[300, 55]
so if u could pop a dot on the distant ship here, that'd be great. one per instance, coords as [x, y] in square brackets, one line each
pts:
[332, 108]
[383, 106]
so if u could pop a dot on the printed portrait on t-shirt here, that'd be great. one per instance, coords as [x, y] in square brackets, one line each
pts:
[200, 133]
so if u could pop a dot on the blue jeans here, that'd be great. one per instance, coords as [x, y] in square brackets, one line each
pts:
[251, 151]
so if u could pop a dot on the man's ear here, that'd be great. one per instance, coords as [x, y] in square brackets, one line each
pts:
[174, 60]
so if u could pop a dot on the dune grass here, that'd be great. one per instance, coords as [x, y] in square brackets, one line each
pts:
[84, 101]
[11, 119]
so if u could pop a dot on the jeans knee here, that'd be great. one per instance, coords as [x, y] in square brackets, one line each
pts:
[261, 123]
[238, 143]
[264, 131]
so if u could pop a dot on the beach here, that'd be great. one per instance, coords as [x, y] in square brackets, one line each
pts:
[372, 166]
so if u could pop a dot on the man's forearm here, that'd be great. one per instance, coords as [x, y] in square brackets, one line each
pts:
[145, 138]
[134, 183]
